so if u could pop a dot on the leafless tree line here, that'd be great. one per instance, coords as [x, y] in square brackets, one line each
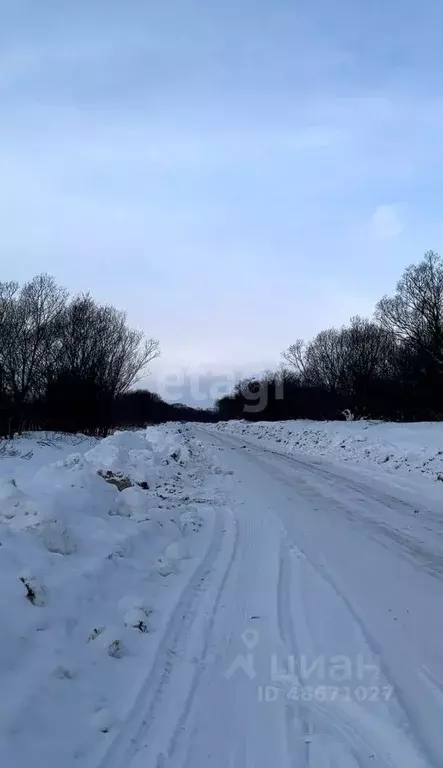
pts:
[70, 363]
[390, 366]
[64, 358]
[344, 359]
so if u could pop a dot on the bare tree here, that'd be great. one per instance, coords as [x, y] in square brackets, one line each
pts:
[415, 312]
[319, 363]
[58, 355]
[296, 357]
[127, 351]
[344, 359]
[30, 325]
[96, 342]
[369, 352]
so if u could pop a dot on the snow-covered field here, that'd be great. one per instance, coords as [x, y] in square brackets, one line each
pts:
[400, 448]
[234, 596]
[90, 575]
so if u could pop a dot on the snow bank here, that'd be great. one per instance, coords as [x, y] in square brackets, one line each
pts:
[400, 448]
[94, 551]
[26, 452]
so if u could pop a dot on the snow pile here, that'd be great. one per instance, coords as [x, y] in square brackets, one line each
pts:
[412, 448]
[94, 551]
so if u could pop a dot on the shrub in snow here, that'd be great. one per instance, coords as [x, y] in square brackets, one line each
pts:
[35, 593]
[137, 618]
[7, 449]
[116, 650]
[107, 639]
[63, 673]
[96, 632]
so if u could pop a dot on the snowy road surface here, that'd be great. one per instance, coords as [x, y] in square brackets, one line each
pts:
[317, 634]
[303, 629]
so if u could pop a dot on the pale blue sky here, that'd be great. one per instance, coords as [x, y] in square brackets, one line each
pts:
[233, 174]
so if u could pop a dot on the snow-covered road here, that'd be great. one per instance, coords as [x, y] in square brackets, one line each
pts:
[293, 609]
[317, 638]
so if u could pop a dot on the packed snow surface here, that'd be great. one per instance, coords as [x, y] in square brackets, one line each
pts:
[226, 596]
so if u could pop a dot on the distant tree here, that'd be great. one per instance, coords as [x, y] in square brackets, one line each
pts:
[415, 312]
[343, 359]
[61, 356]
[139, 408]
[98, 358]
[30, 320]
[95, 341]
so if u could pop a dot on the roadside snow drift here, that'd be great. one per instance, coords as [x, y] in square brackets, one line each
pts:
[400, 448]
[95, 549]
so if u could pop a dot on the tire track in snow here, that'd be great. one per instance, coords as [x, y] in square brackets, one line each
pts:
[143, 713]
[306, 718]
[122, 746]
[364, 741]
[181, 723]
[295, 715]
